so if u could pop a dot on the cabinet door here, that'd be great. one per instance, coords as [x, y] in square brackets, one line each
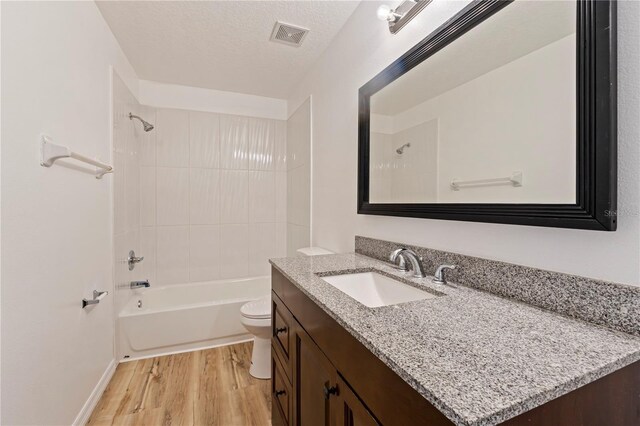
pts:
[350, 411]
[315, 385]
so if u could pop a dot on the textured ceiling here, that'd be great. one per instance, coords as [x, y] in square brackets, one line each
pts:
[518, 29]
[223, 45]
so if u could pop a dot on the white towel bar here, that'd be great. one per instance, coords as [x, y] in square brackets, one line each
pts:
[50, 152]
[515, 179]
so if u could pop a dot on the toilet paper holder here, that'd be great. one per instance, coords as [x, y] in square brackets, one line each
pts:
[97, 297]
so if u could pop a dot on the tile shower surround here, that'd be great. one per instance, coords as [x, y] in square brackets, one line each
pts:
[128, 138]
[210, 181]
[616, 306]
[299, 178]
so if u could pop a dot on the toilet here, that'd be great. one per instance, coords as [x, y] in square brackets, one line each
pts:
[256, 318]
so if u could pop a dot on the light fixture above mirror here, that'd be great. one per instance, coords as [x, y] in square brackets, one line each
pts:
[401, 15]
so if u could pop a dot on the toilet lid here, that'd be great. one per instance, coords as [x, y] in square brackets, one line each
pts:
[260, 308]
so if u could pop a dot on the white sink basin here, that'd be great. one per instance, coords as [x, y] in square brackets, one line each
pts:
[374, 290]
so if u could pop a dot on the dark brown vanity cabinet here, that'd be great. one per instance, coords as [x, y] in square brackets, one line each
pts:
[317, 395]
[322, 375]
[308, 386]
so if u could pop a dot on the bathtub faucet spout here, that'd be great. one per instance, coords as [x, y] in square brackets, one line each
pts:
[140, 284]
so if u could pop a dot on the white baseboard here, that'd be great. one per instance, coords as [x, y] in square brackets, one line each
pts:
[92, 401]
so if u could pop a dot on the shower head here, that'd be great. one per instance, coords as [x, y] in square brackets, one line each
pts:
[145, 124]
[401, 149]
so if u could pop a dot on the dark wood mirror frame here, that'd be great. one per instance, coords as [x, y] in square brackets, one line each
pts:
[596, 144]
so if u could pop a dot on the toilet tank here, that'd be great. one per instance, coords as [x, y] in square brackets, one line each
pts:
[312, 251]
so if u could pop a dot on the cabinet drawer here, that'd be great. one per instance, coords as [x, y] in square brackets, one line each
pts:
[281, 395]
[281, 329]
[282, 333]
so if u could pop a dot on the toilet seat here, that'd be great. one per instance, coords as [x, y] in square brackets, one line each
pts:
[258, 309]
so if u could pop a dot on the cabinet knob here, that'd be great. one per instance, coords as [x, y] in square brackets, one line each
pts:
[280, 392]
[328, 391]
[281, 330]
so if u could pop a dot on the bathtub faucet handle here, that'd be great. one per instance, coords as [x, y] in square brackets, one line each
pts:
[140, 284]
[132, 260]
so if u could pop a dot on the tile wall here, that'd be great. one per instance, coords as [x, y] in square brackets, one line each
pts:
[213, 191]
[298, 197]
[410, 177]
[128, 139]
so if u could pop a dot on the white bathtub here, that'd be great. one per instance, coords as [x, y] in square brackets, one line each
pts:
[186, 317]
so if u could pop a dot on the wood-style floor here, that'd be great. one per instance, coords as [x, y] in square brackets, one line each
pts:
[209, 387]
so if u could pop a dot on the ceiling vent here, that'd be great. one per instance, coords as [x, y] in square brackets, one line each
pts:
[288, 34]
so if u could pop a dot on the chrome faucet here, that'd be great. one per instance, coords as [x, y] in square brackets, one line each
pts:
[440, 277]
[140, 284]
[133, 259]
[402, 255]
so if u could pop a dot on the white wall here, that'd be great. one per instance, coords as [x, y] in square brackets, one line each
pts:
[198, 99]
[362, 49]
[56, 222]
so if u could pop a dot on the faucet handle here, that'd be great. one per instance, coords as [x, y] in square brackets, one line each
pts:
[401, 264]
[398, 260]
[132, 260]
[394, 254]
[440, 277]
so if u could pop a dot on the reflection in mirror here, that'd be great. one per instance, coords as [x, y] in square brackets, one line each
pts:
[491, 118]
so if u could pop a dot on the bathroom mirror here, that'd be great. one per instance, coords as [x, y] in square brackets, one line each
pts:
[504, 114]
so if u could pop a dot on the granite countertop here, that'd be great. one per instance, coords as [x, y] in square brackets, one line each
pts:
[479, 358]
